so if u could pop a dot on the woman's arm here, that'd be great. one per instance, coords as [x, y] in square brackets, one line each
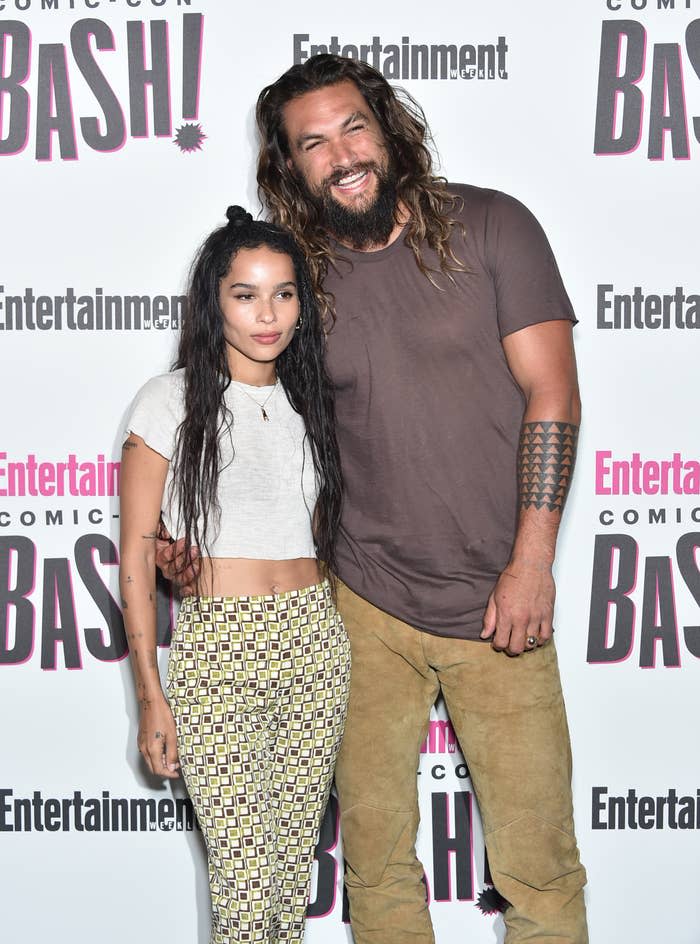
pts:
[142, 482]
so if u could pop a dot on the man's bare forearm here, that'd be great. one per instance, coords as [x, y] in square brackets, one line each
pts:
[546, 458]
[520, 611]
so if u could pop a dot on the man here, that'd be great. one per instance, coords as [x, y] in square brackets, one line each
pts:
[450, 348]
[453, 363]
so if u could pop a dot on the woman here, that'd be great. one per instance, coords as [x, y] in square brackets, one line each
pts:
[236, 449]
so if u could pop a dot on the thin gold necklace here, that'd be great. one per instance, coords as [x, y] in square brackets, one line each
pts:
[267, 399]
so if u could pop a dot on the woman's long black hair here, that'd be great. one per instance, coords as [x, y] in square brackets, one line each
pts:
[300, 368]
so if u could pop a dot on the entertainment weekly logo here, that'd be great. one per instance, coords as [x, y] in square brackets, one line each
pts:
[404, 59]
[632, 810]
[25, 310]
[645, 584]
[645, 82]
[81, 813]
[153, 57]
[32, 476]
[637, 310]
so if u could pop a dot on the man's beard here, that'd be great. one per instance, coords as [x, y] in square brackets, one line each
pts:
[369, 226]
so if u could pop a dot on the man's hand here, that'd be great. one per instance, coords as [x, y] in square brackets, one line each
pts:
[170, 558]
[520, 608]
[156, 738]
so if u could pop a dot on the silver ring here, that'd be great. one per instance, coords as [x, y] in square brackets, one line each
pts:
[531, 641]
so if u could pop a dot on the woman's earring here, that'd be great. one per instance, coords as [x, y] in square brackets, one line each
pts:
[300, 322]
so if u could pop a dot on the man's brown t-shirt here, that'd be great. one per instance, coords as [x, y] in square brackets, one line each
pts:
[429, 414]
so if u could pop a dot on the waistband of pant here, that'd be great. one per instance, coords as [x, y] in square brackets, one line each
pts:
[322, 591]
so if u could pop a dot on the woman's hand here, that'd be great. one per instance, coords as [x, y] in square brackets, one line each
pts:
[156, 738]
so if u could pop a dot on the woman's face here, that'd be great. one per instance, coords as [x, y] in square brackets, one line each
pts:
[260, 306]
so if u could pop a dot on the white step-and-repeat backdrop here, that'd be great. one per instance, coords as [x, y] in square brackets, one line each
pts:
[125, 130]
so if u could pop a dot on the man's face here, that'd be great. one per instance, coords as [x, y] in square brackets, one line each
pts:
[338, 153]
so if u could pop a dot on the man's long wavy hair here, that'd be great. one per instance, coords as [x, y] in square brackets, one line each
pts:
[207, 419]
[407, 139]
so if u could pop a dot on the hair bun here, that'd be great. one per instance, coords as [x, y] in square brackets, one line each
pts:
[237, 216]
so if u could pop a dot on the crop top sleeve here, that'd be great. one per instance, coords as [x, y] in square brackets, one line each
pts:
[267, 484]
[156, 413]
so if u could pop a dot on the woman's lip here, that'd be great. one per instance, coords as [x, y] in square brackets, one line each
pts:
[267, 338]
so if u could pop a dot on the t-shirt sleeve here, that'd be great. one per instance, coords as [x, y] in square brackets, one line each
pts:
[529, 288]
[155, 414]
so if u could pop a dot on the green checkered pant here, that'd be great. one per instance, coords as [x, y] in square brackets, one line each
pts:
[259, 687]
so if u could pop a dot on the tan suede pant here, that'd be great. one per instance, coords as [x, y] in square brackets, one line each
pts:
[508, 714]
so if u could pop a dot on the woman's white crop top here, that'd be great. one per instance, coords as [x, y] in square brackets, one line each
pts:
[267, 484]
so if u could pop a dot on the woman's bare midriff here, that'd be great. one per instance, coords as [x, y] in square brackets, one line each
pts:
[244, 577]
